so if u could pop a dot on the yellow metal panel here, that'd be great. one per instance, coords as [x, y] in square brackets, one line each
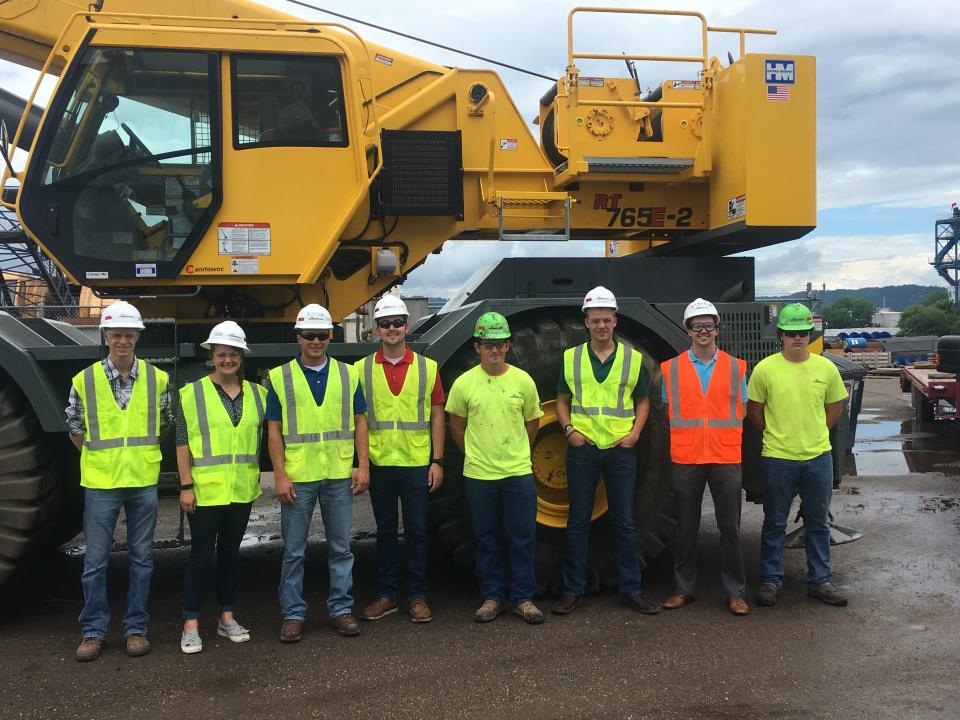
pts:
[781, 153]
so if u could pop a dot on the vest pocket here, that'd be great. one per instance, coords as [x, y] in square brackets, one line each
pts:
[345, 449]
[728, 438]
[420, 440]
[209, 487]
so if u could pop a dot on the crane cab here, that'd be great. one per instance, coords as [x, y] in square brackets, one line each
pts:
[179, 151]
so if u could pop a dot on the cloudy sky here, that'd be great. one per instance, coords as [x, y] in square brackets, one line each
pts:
[888, 103]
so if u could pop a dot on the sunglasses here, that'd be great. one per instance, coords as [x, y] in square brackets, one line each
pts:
[795, 333]
[311, 336]
[397, 323]
[493, 344]
[708, 326]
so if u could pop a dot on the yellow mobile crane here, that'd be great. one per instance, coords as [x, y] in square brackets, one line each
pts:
[218, 158]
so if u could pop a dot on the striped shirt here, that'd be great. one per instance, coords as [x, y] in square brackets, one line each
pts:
[122, 390]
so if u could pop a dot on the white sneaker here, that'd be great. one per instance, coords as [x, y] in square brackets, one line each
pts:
[233, 631]
[190, 642]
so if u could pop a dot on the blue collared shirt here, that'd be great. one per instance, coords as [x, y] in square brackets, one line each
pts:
[705, 372]
[317, 380]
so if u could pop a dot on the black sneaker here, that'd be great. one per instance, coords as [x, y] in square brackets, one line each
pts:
[826, 593]
[768, 595]
[641, 603]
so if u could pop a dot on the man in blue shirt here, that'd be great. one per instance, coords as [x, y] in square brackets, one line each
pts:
[705, 391]
[311, 447]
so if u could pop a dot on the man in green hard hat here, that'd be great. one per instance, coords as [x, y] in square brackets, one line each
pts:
[794, 398]
[494, 417]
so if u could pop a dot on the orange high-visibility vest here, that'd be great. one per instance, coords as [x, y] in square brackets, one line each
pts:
[704, 428]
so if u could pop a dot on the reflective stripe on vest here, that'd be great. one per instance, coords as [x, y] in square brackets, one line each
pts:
[293, 434]
[209, 459]
[676, 421]
[93, 441]
[620, 410]
[373, 423]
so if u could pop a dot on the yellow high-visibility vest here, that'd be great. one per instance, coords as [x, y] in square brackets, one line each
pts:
[121, 448]
[604, 412]
[399, 425]
[224, 460]
[318, 438]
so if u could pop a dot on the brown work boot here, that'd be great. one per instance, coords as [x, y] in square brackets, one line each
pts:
[488, 611]
[566, 604]
[137, 645]
[420, 611]
[90, 649]
[826, 593]
[675, 602]
[768, 595]
[291, 631]
[738, 606]
[346, 624]
[528, 612]
[379, 608]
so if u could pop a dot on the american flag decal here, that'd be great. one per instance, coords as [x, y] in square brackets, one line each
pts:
[778, 93]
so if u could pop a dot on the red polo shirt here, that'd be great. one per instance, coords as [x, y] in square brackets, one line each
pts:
[396, 374]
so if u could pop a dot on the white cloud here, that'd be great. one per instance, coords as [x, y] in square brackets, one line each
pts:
[845, 262]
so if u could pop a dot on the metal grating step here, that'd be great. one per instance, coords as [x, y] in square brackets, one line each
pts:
[646, 165]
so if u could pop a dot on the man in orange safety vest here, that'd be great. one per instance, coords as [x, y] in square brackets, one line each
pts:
[705, 391]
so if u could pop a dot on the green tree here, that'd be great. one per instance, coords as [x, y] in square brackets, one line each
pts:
[849, 312]
[934, 315]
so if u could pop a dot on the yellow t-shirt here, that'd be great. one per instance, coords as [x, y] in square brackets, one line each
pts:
[793, 397]
[496, 409]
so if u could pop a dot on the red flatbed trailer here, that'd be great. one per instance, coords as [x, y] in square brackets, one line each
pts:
[935, 395]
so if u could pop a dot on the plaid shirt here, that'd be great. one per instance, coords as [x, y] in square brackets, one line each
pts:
[122, 390]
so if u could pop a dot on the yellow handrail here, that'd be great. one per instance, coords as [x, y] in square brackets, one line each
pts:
[743, 32]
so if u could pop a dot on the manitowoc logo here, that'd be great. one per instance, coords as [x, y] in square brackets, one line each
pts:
[191, 269]
[779, 72]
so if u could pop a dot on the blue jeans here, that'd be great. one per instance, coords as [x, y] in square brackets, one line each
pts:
[619, 468]
[101, 508]
[783, 480]
[336, 509]
[506, 507]
[409, 487]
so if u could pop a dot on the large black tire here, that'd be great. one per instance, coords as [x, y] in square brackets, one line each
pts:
[537, 347]
[39, 487]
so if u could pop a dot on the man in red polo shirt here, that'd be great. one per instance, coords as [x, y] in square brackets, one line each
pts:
[405, 418]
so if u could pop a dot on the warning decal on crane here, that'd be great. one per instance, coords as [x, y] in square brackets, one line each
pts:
[244, 265]
[243, 239]
[736, 207]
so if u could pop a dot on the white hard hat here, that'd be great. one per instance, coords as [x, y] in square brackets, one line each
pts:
[599, 297]
[314, 317]
[700, 307]
[227, 333]
[120, 314]
[388, 306]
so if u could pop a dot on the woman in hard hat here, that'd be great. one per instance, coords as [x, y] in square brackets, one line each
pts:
[219, 426]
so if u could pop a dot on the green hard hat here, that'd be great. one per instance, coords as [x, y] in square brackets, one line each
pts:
[492, 326]
[795, 317]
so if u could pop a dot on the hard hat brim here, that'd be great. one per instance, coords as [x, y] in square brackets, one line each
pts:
[795, 326]
[131, 326]
[208, 343]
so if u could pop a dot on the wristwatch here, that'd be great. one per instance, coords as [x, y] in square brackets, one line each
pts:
[436, 461]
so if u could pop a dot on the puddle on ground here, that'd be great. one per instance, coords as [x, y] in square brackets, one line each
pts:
[893, 447]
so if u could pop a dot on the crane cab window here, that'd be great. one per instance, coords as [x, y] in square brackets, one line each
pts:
[287, 101]
[126, 175]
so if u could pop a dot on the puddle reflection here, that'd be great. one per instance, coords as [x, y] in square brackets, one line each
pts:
[893, 447]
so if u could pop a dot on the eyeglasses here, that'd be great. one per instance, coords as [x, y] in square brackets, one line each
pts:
[311, 336]
[397, 323]
[795, 333]
[493, 344]
[700, 327]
